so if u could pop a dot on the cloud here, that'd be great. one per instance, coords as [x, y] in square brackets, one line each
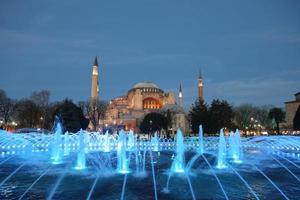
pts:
[29, 39]
[260, 91]
[273, 35]
[165, 61]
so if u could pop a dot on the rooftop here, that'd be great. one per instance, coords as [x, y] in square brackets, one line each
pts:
[146, 84]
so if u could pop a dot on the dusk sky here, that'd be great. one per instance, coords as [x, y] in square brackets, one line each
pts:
[249, 51]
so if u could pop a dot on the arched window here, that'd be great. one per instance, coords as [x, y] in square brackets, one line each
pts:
[151, 103]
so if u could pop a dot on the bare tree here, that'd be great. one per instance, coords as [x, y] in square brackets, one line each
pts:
[246, 115]
[41, 99]
[243, 114]
[7, 107]
[28, 113]
[95, 111]
[84, 105]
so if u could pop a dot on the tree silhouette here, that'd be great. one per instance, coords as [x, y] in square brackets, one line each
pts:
[221, 116]
[28, 114]
[199, 114]
[153, 122]
[7, 108]
[72, 116]
[94, 110]
[278, 115]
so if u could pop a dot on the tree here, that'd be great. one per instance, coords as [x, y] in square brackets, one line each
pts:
[221, 116]
[278, 115]
[199, 115]
[94, 110]
[7, 108]
[296, 121]
[72, 116]
[245, 112]
[263, 117]
[41, 99]
[153, 122]
[28, 114]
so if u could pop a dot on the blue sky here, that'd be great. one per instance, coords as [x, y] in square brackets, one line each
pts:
[249, 51]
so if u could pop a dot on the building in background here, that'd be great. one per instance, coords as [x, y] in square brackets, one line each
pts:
[200, 87]
[141, 99]
[128, 111]
[291, 108]
[95, 84]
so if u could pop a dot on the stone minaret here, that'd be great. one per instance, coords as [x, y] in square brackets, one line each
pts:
[180, 96]
[95, 83]
[200, 87]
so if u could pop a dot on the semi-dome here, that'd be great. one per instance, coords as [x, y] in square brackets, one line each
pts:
[145, 84]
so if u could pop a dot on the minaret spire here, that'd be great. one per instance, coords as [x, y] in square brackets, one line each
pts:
[180, 89]
[180, 96]
[200, 86]
[95, 85]
[95, 61]
[200, 74]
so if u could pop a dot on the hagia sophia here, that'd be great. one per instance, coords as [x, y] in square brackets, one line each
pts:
[144, 97]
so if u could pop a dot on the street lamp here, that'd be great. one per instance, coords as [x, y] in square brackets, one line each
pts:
[14, 124]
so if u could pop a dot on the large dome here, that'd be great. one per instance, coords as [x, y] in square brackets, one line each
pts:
[145, 84]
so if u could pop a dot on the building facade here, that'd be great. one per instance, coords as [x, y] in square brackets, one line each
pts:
[291, 108]
[95, 84]
[141, 99]
[128, 111]
[200, 87]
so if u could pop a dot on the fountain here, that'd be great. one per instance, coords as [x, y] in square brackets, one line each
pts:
[57, 142]
[155, 142]
[130, 141]
[121, 154]
[106, 142]
[234, 146]
[271, 162]
[201, 146]
[178, 164]
[81, 152]
[221, 151]
[66, 144]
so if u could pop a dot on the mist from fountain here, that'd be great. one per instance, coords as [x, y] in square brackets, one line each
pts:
[123, 167]
[235, 146]
[155, 142]
[201, 145]
[66, 148]
[57, 143]
[130, 141]
[179, 161]
[84, 145]
[221, 151]
[106, 142]
[81, 162]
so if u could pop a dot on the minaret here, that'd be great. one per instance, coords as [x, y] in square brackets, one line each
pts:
[180, 96]
[200, 87]
[95, 83]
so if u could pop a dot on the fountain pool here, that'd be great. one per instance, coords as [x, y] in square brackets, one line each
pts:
[102, 166]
